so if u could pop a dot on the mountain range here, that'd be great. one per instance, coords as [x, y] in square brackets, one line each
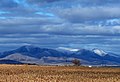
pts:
[59, 56]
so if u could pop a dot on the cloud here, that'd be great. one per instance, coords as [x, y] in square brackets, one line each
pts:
[41, 1]
[29, 21]
[81, 11]
[7, 4]
[87, 2]
[53, 41]
[66, 23]
[80, 29]
[31, 26]
[86, 14]
[74, 11]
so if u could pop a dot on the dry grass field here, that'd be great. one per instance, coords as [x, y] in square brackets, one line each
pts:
[31, 73]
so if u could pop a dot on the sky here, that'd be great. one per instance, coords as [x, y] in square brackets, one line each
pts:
[79, 24]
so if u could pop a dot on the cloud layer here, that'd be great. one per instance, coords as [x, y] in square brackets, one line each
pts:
[56, 23]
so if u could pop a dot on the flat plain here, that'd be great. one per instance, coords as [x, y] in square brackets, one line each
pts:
[34, 73]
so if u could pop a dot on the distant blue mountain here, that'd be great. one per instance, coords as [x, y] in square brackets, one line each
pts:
[9, 62]
[36, 55]
[96, 58]
[33, 51]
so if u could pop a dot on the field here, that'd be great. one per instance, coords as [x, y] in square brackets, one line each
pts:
[32, 73]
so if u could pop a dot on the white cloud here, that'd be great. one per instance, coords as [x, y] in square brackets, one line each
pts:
[82, 14]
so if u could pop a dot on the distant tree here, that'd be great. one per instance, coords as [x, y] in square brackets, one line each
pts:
[76, 62]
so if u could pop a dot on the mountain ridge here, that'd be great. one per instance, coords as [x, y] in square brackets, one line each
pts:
[33, 54]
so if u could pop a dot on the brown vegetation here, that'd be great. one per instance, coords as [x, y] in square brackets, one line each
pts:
[76, 62]
[31, 73]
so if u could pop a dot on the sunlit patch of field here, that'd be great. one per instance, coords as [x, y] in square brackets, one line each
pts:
[32, 73]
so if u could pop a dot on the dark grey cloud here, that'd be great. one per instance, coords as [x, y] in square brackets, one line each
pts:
[82, 11]
[108, 43]
[7, 4]
[78, 14]
[42, 1]
[87, 2]
[29, 21]
[60, 23]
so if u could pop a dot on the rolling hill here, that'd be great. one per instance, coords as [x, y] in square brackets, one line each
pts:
[45, 56]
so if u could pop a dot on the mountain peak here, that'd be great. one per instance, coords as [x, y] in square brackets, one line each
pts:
[99, 52]
[27, 48]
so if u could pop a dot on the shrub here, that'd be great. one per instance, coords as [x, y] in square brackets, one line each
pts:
[76, 62]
